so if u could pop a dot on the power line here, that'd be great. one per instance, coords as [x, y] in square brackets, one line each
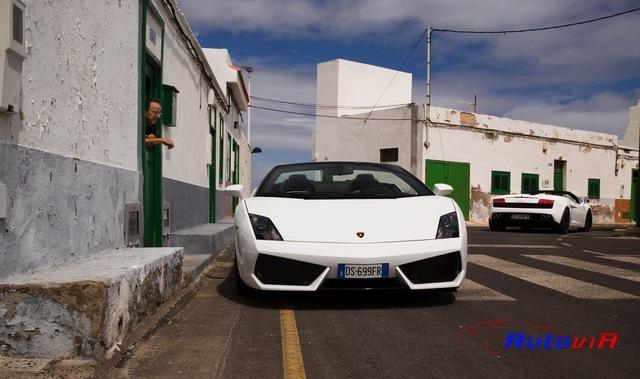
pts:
[309, 105]
[535, 29]
[329, 116]
[397, 71]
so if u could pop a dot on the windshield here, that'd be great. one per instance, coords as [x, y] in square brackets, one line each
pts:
[344, 180]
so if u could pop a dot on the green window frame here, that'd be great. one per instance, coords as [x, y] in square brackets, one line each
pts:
[500, 182]
[229, 152]
[530, 183]
[593, 188]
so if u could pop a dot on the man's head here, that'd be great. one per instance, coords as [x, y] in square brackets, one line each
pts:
[153, 112]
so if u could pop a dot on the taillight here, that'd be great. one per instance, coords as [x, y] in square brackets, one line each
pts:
[498, 202]
[545, 202]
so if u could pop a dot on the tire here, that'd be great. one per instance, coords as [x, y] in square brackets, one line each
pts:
[496, 226]
[588, 223]
[565, 222]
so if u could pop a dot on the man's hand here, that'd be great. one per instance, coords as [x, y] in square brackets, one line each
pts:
[168, 142]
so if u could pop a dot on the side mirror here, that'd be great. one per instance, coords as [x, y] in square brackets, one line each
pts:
[441, 189]
[236, 190]
[585, 200]
[253, 193]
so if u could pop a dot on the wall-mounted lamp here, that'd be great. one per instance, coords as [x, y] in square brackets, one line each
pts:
[256, 150]
[236, 124]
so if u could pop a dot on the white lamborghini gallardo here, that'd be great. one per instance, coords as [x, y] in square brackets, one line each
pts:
[348, 225]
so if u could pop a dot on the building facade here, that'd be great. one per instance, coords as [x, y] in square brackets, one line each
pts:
[479, 155]
[75, 176]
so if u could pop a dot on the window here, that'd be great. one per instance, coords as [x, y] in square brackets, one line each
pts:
[530, 183]
[500, 182]
[221, 154]
[594, 188]
[18, 24]
[389, 155]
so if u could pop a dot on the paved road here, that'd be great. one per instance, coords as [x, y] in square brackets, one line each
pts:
[577, 285]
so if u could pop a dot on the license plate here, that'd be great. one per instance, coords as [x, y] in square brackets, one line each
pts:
[351, 271]
[519, 217]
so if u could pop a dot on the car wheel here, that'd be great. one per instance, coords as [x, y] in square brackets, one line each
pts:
[588, 222]
[565, 221]
[495, 226]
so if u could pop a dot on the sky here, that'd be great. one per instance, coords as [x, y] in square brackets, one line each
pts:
[584, 77]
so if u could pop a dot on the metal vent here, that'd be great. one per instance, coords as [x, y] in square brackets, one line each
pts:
[389, 155]
[132, 224]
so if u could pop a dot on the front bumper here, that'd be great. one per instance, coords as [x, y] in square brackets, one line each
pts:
[308, 266]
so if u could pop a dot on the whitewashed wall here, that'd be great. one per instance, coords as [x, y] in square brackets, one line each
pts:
[80, 80]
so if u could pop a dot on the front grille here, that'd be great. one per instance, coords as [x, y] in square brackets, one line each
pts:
[443, 268]
[275, 270]
[524, 205]
[378, 283]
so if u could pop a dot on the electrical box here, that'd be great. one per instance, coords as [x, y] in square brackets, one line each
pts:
[132, 224]
[169, 105]
[12, 52]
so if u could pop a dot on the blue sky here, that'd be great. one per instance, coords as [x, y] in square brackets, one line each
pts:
[584, 77]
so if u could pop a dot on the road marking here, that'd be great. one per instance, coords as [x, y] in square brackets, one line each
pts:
[516, 246]
[592, 252]
[634, 260]
[292, 363]
[567, 244]
[470, 291]
[569, 286]
[588, 266]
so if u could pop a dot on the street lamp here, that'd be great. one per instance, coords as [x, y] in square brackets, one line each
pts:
[249, 70]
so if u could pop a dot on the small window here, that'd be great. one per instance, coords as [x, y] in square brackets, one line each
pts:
[389, 155]
[530, 183]
[229, 147]
[18, 24]
[594, 188]
[500, 182]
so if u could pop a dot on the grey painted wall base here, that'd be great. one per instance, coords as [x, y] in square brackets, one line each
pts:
[204, 239]
[60, 209]
[86, 307]
[189, 204]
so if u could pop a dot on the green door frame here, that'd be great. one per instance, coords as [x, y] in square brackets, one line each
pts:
[212, 165]
[151, 87]
[236, 173]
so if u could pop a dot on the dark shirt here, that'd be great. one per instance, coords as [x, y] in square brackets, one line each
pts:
[151, 129]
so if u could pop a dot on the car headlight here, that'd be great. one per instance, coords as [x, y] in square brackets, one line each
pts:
[448, 226]
[264, 228]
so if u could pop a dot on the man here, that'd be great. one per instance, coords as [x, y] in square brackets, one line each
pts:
[152, 115]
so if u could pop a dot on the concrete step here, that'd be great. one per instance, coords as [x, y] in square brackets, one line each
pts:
[193, 266]
[85, 307]
[204, 239]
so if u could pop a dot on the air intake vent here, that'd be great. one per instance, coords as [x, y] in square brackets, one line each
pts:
[282, 271]
[443, 268]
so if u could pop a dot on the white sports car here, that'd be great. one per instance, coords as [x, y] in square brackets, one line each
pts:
[559, 210]
[348, 225]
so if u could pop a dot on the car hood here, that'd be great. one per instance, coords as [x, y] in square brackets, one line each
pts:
[340, 221]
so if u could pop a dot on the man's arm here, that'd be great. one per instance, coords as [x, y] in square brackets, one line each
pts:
[152, 140]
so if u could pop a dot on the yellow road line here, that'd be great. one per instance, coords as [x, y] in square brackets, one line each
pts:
[291, 353]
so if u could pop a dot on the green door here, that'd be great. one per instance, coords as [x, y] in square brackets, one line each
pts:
[455, 174]
[152, 168]
[634, 194]
[236, 173]
[558, 175]
[212, 166]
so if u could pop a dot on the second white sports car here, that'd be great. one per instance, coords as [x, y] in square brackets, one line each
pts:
[560, 210]
[348, 225]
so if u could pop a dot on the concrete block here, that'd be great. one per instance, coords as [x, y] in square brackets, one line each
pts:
[86, 307]
[204, 239]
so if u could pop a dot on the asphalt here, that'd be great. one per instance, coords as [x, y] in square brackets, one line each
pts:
[405, 334]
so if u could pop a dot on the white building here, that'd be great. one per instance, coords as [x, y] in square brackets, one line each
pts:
[75, 177]
[479, 155]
